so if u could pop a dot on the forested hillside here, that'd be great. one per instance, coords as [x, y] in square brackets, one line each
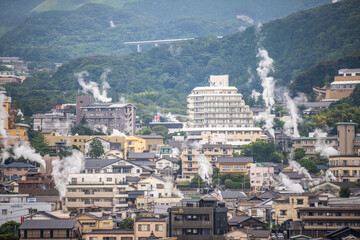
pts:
[185, 65]
[52, 35]
[14, 12]
[164, 75]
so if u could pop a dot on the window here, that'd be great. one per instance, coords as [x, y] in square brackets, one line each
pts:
[282, 212]
[109, 238]
[93, 238]
[159, 227]
[300, 201]
[144, 227]
[108, 179]
[338, 214]
[4, 212]
[320, 213]
[126, 238]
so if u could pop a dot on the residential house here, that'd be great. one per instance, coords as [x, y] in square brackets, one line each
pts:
[91, 222]
[17, 169]
[107, 146]
[145, 227]
[171, 163]
[48, 229]
[248, 234]
[34, 182]
[235, 164]
[343, 233]
[240, 222]
[152, 141]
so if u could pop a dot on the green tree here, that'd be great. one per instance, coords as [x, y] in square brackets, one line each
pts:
[8, 231]
[39, 142]
[299, 153]
[145, 131]
[355, 96]
[179, 171]
[197, 180]
[96, 149]
[344, 192]
[160, 130]
[127, 223]
[309, 164]
[261, 151]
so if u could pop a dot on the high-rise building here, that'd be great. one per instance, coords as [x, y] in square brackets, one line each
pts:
[218, 114]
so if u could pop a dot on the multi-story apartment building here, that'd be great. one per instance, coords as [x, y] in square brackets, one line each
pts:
[330, 218]
[286, 209]
[59, 121]
[218, 114]
[197, 219]
[212, 152]
[103, 185]
[342, 86]
[261, 175]
[95, 192]
[111, 115]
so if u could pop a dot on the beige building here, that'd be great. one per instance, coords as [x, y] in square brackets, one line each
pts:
[145, 227]
[96, 192]
[218, 114]
[346, 166]
[342, 86]
[113, 234]
[91, 222]
[289, 208]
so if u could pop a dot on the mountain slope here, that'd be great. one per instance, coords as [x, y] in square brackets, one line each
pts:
[63, 35]
[57, 36]
[296, 43]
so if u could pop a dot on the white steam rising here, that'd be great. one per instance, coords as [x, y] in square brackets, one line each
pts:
[117, 133]
[62, 168]
[291, 126]
[99, 93]
[328, 176]
[288, 184]
[205, 168]
[325, 150]
[264, 68]
[23, 149]
[112, 24]
[255, 95]
[3, 117]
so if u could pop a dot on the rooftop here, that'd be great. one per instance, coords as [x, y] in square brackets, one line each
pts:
[49, 224]
[19, 164]
[141, 156]
[235, 159]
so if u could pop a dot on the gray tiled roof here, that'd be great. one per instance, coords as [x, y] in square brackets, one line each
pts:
[151, 137]
[99, 162]
[235, 159]
[49, 224]
[141, 155]
[232, 194]
[19, 164]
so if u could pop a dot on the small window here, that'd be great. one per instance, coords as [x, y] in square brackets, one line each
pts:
[159, 227]
[4, 212]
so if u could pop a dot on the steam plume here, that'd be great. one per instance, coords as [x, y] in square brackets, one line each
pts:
[112, 24]
[325, 150]
[23, 149]
[255, 95]
[62, 168]
[291, 126]
[3, 117]
[289, 184]
[93, 87]
[268, 84]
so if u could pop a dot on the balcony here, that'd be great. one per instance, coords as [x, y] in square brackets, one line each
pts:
[191, 224]
[90, 195]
